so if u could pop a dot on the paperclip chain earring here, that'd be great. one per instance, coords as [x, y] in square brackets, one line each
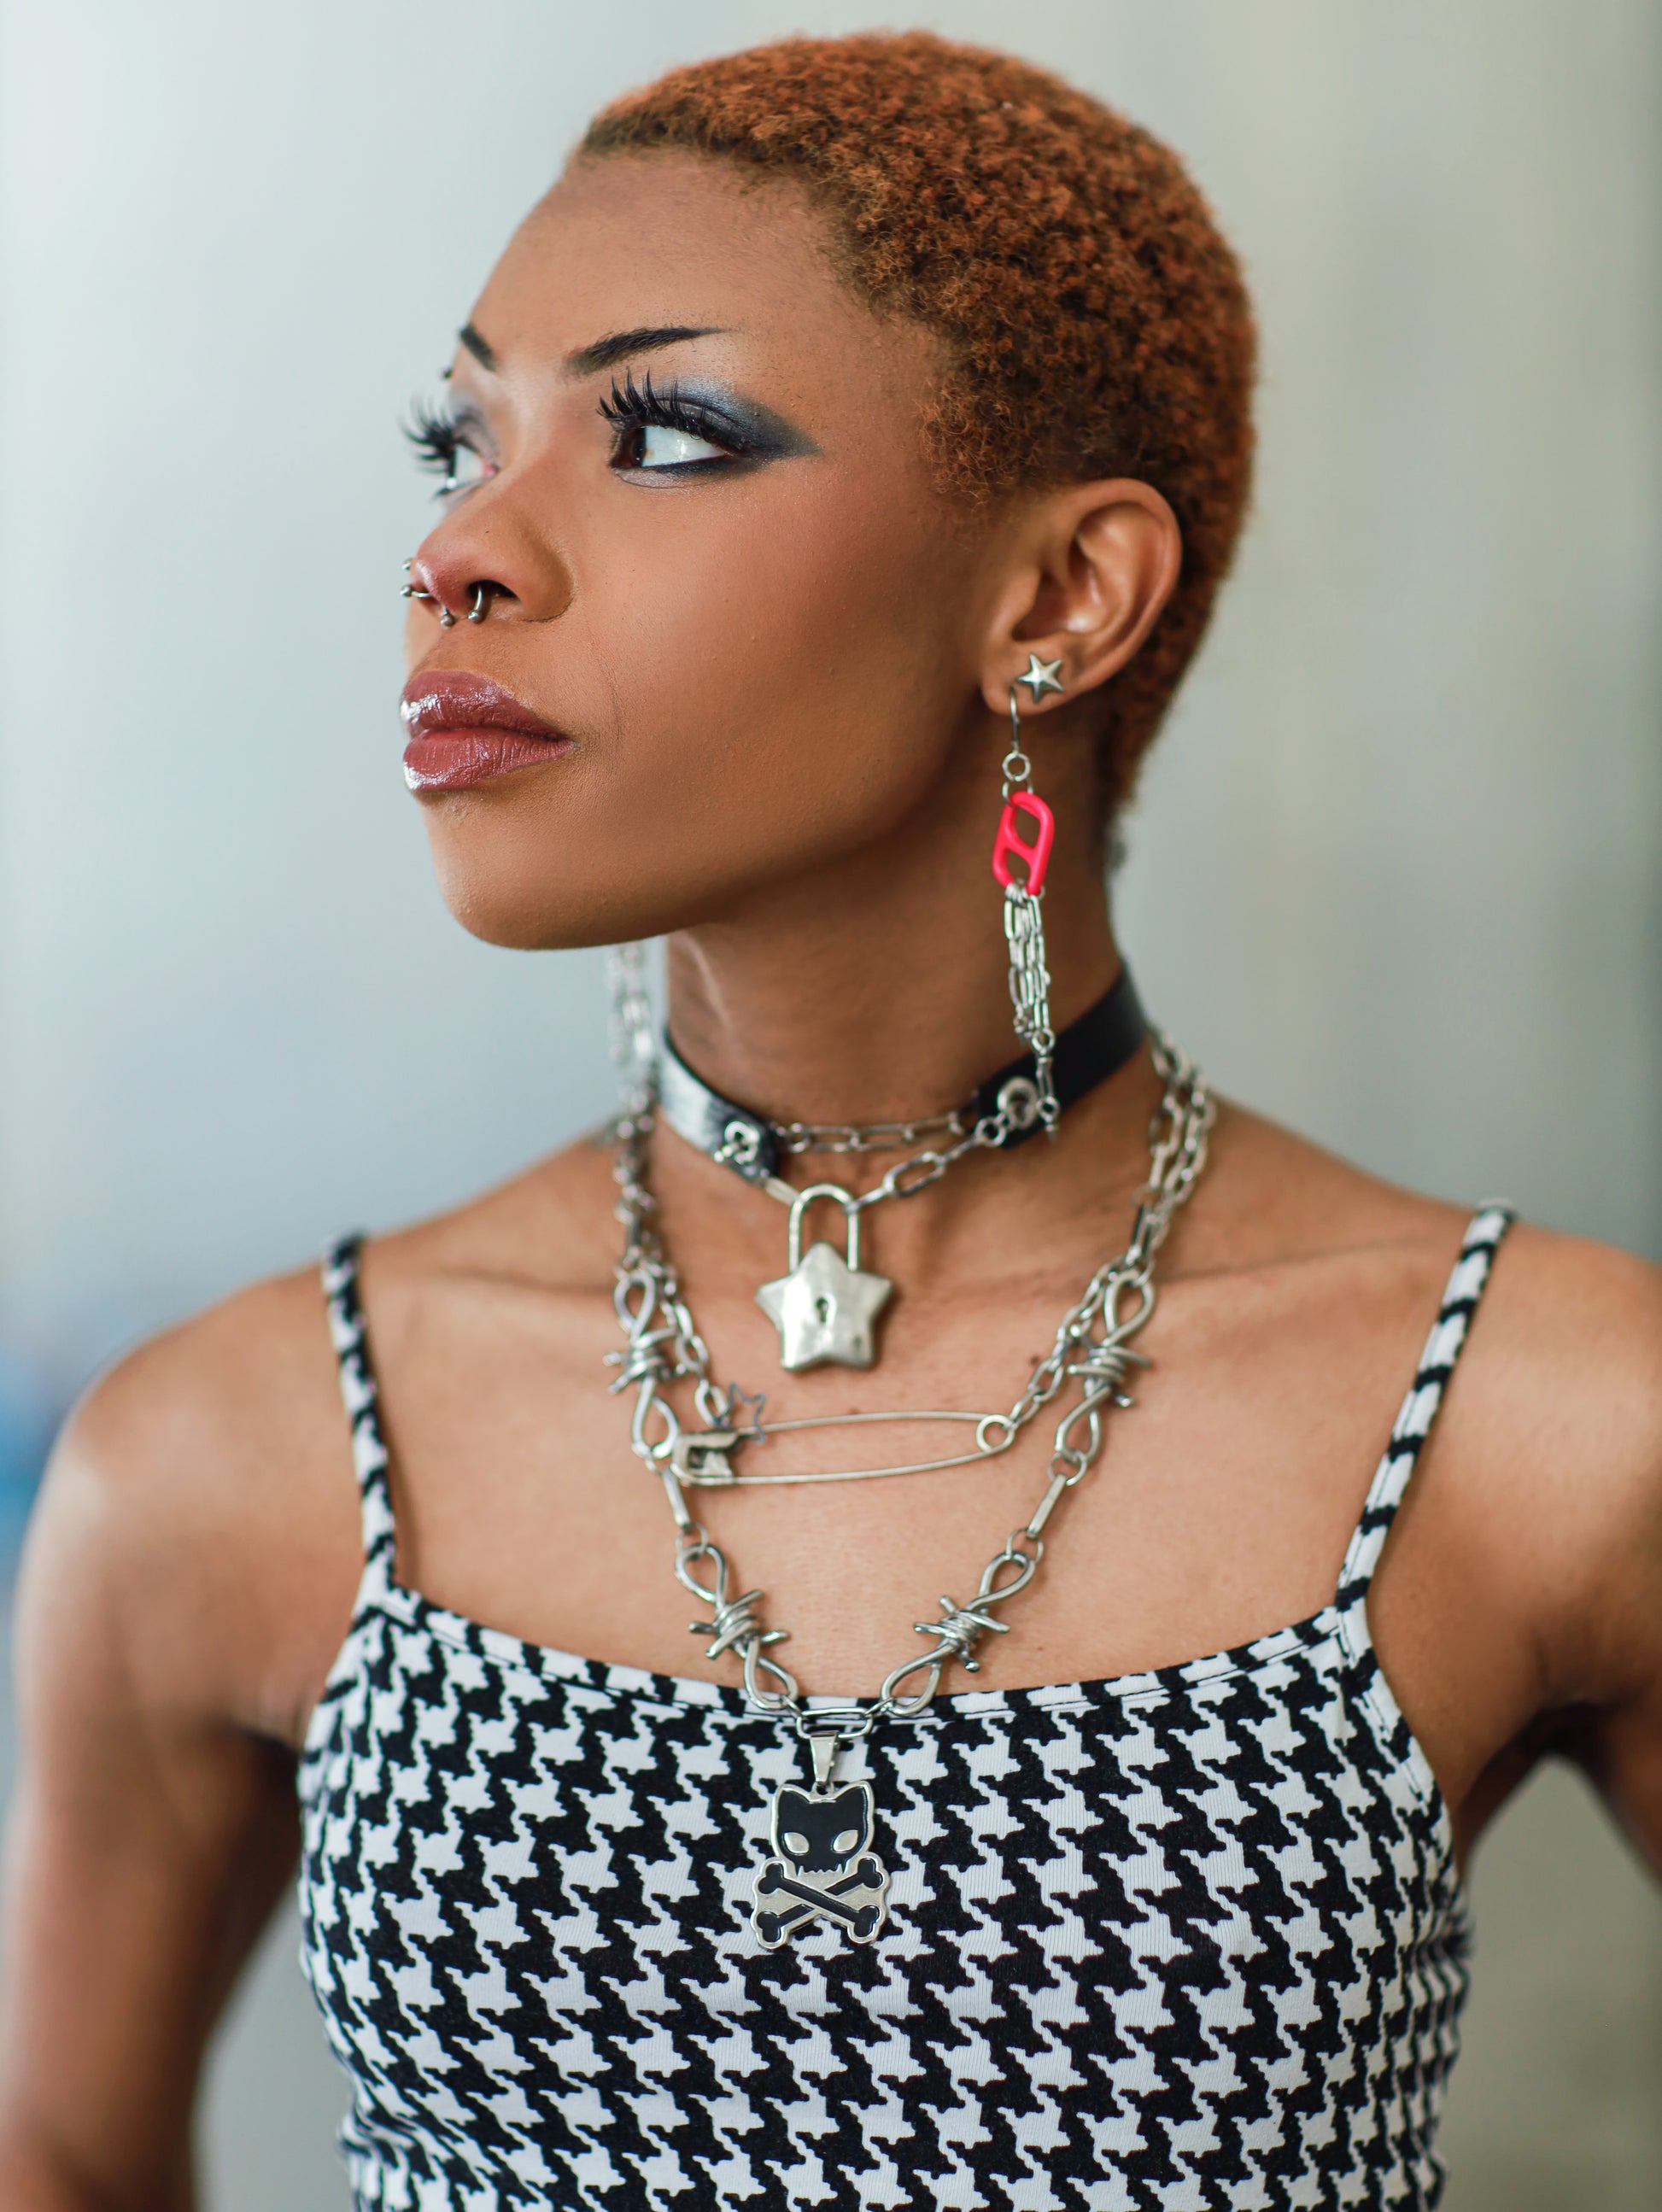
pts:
[634, 1046]
[1027, 831]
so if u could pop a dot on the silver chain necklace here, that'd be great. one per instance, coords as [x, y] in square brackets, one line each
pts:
[862, 1137]
[822, 1866]
[827, 1304]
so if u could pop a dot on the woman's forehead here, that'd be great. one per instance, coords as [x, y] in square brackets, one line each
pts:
[670, 240]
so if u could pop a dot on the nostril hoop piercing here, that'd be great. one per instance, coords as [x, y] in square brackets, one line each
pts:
[447, 620]
[414, 591]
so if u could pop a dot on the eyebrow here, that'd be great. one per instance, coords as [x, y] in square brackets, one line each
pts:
[481, 348]
[586, 359]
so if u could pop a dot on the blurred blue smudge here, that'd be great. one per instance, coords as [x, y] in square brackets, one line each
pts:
[30, 1411]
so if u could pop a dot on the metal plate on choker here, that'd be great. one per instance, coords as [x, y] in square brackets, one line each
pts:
[739, 1139]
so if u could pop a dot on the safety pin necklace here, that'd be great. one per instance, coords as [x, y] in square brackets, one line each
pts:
[822, 1866]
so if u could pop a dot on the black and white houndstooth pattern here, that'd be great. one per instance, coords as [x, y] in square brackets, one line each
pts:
[1181, 1939]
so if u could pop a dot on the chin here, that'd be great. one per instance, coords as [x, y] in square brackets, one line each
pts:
[549, 912]
[522, 874]
[554, 893]
[534, 876]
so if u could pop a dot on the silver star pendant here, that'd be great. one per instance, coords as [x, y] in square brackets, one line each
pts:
[1041, 676]
[824, 1310]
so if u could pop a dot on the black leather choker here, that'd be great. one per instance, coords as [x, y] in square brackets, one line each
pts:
[1087, 1052]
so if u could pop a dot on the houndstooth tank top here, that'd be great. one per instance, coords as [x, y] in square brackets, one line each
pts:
[1187, 1939]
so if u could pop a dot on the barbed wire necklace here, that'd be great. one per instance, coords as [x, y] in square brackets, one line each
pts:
[822, 1865]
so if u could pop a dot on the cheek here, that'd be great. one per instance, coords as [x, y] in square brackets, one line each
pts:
[758, 685]
[785, 662]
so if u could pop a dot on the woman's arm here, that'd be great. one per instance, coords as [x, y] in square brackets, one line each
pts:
[153, 1825]
[1575, 1477]
[1619, 1740]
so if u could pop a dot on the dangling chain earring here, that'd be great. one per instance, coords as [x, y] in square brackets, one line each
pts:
[1030, 841]
[634, 1047]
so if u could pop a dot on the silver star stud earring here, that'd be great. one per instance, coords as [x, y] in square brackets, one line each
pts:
[1041, 676]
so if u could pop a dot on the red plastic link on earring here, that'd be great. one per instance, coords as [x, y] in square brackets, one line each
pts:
[1034, 849]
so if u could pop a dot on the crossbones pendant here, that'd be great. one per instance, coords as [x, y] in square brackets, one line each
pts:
[822, 1868]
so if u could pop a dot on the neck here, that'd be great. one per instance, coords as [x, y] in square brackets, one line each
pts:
[874, 996]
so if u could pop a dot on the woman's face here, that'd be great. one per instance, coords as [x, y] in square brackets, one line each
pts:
[718, 568]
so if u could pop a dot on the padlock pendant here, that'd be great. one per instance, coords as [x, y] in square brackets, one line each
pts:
[825, 1307]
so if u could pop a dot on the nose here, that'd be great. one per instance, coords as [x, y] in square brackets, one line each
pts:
[476, 564]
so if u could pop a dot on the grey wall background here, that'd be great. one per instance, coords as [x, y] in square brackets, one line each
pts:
[1396, 876]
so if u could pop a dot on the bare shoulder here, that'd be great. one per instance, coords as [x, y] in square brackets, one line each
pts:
[547, 1236]
[1582, 1323]
[1286, 1202]
[1564, 1375]
[1567, 1359]
[551, 1223]
[203, 1489]
[1559, 1411]
[1544, 1478]
[201, 1498]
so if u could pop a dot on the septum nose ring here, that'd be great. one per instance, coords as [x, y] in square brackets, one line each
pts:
[476, 613]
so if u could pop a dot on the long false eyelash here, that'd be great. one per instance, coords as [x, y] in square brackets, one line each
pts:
[633, 406]
[434, 435]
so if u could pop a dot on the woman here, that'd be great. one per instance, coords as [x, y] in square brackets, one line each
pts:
[837, 471]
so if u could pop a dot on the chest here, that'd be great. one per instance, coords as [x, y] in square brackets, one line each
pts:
[1219, 1506]
[526, 1890]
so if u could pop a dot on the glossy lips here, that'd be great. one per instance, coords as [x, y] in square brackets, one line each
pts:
[463, 730]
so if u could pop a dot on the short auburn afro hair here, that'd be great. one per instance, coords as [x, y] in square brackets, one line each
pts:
[1095, 321]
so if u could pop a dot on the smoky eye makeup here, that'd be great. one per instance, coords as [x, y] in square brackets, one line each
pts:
[684, 429]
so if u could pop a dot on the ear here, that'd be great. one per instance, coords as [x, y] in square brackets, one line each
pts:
[1088, 569]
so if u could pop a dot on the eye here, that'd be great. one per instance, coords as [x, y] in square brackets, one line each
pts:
[653, 445]
[667, 432]
[451, 446]
[467, 468]
[846, 1842]
[797, 1845]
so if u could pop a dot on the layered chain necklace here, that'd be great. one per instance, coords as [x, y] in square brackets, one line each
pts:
[825, 1305]
[822, 1864]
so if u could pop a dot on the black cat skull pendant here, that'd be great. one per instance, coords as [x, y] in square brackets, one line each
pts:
[822, 1868]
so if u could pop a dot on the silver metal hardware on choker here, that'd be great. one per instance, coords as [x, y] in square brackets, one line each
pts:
[822, 1866]
[825, 1307]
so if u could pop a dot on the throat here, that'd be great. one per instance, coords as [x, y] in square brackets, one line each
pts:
[880, 1015]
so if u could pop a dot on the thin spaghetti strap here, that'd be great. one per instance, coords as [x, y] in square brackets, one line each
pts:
[1443, 1345]
[361, 1400]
